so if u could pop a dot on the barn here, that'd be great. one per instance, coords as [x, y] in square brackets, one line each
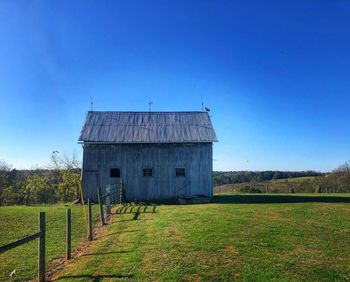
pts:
[156, 155]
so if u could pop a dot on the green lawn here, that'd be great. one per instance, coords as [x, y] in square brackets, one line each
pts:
[222, 241]
[19, 221]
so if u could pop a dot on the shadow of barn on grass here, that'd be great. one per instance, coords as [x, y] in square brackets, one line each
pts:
[267, 199]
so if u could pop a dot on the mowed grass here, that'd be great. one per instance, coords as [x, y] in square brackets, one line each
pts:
[221, 242]
[17, 222]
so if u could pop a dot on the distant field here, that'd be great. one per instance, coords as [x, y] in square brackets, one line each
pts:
[18, 221]
[295, 179]
[306, 184]
[223, 241]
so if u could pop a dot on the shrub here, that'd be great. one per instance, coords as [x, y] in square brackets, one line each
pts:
[249, 189]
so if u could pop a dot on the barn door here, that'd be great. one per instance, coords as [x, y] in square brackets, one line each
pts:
[182, 181]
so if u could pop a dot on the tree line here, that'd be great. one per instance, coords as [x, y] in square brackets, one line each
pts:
[58, 182]
[337, 181]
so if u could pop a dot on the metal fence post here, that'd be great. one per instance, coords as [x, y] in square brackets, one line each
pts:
[121, 191]
[68, 235]
[41, 247]
[108, 204]
[90, 220]
[101, 206]
[108, 199]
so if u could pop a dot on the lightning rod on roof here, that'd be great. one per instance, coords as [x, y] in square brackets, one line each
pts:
[150, 105]
[91, 104]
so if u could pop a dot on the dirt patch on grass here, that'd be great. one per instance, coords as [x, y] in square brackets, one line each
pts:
[230, 250]
[58, 265]
[193, 264]
[324, 208]
[193, 277]
[269, 215]
[210, 263]
[305, 257]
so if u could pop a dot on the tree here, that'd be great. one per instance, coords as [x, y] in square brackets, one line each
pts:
[68, 187]
[5, 169]
[343, 175]
[68, 170]
[40, 188]
[65, 162]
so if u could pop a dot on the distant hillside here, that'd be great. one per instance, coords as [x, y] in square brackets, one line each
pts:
[235, 177]
[306, 184]
[294, 179]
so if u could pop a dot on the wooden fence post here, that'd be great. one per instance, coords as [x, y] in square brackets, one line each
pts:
[108, 204]
[90, 220]
[41, 247]
[101, 206]
[68, 235]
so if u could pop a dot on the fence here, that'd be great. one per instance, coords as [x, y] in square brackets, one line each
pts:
[116, 192]
[113, 196]
[41, 235]
[41, 246]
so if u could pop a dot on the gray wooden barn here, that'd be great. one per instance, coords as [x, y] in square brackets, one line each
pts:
[157, 155]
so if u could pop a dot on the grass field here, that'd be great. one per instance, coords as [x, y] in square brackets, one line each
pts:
[19, 221]
[308, 184]
[222, 241]
[295, 179]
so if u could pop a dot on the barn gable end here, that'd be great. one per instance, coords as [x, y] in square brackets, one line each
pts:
[158, 155]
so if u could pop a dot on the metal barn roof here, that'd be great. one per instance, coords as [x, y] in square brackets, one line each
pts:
[147, 127]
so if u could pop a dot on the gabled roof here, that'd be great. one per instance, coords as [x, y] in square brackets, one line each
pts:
[147, 127]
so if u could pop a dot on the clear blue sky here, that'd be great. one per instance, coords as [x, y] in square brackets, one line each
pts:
[275, 75]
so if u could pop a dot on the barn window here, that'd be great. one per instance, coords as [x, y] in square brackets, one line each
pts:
[147, 172]
[180, 171]
[115, 172]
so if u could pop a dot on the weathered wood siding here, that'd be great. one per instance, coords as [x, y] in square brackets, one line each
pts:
[131, 159]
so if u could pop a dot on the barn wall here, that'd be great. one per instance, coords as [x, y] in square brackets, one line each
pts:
[196, 158]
